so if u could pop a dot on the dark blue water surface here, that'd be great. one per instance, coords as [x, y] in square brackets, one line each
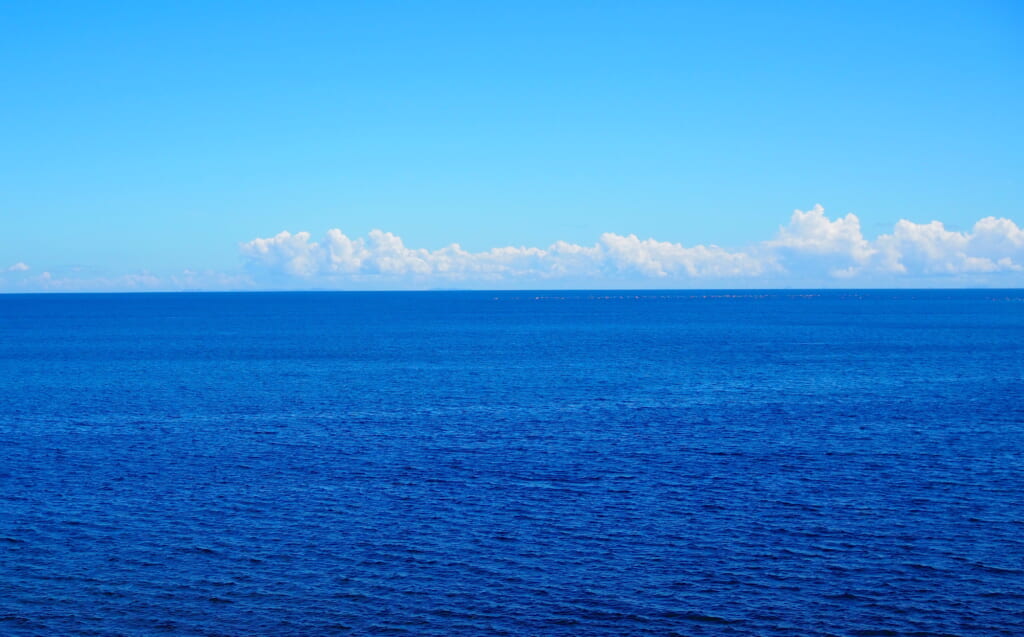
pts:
[780, 463]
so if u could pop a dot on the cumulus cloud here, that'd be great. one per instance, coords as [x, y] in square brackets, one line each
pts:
[812, 250]
[922, 249]
[812, 241]
[993, 245]
[810, 245]
[662, 259]
[383, 254]
[813, 233]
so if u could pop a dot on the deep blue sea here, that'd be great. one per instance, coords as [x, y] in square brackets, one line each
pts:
[513, 463]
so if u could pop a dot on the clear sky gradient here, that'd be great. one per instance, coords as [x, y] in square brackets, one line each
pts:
[152, 138]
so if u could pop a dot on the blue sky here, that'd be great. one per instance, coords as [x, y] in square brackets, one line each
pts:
[142, 140]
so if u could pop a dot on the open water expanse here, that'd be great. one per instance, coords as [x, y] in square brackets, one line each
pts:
[513, 463]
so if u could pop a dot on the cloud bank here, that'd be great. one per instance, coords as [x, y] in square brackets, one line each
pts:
[810, 251]
[810, 248]
[383, 254]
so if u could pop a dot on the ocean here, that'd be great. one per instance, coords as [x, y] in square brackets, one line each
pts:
[513, 463]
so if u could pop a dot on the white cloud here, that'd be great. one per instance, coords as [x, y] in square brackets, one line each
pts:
[813, 233]
[295, 254]
[994, 245]
[812, 242]
[811, 250]
[663, 259]
[811, 247]
[384, 254]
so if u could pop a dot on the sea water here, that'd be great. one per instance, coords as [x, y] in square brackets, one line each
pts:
[513, 463]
